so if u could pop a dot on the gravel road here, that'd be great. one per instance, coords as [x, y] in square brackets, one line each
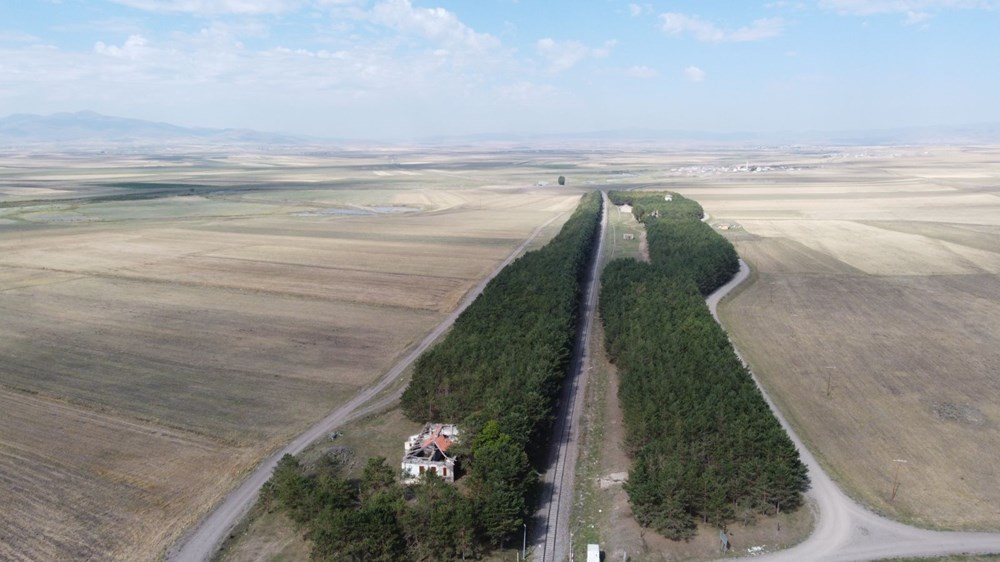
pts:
[845, 531]
[204, 540]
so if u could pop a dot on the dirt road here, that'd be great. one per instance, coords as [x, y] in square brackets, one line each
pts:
[845, 531]
[202, 542]
[550, 526]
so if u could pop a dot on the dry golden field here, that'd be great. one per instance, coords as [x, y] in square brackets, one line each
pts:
[159, 340]
[874, 318]
[169, 322]
[267, 536]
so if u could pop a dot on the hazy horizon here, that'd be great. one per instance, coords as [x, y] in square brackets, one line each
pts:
[394, 69]
[88, 126]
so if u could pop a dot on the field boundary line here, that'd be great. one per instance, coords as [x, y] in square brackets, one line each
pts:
[845, 530]
[203, 541]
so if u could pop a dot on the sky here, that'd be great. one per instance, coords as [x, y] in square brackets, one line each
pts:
[393, 69]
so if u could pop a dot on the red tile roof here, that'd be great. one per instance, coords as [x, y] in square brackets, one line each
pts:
[437, 439]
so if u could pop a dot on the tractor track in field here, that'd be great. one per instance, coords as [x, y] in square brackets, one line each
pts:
[203, 541]
[845, 531]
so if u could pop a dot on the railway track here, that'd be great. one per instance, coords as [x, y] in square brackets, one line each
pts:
[550, 535]
[202, 542]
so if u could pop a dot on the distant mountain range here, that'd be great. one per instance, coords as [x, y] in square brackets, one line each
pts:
[93, 130]
[88, 127]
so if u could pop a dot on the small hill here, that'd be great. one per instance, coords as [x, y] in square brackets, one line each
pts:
[88, 127]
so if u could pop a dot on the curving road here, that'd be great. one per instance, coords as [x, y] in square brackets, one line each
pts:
[202, 543]
[845, 531]
[550, 530]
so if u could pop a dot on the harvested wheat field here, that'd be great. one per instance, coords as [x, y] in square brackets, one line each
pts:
[873, 319]
[168, 324]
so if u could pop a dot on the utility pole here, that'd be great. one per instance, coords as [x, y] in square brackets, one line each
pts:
[524, 543]
[895, 478]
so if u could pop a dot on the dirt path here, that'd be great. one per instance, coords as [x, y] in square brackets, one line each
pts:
[845, 531]
[203, 541]
[550, 528]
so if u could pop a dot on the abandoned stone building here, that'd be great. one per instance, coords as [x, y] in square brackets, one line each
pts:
[427, 451]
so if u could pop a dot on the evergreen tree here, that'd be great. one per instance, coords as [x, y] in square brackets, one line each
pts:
[501, 477]
[438, 523]
[704, 443]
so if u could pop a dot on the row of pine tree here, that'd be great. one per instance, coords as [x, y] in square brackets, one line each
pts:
[500, 370]
[705, 446]
[497, 374]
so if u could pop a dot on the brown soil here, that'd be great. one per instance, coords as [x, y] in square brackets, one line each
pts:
[644, 246]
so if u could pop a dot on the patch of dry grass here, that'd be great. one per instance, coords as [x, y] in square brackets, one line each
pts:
[222, 322]
[155, 352]
[910, 363]
[618, 245]
[603, 515]
[242, 367]
[82, 484]
[272, 536]
[873, 323]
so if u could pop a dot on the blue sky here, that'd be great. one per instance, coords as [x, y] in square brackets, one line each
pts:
[413, 68]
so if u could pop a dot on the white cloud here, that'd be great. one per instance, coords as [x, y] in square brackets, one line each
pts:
[636, 10]
[226, 82]
[602, 52]
[207, 7]
[913, 18]
[563, 55]
[785, 5]
[435, 24]
[641, 71]
[708, 32]
[133, 48]
[913, 11]
[17, 37]
[694, 74]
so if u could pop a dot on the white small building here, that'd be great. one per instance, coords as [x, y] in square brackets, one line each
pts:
[626, 208]
[593, 553]
[427, 451]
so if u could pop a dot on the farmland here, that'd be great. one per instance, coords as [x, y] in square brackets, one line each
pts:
[169, 323]
[170, 320]
[872, 322]
[870, 318]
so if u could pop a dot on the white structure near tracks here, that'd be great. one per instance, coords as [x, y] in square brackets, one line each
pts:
[427, 451]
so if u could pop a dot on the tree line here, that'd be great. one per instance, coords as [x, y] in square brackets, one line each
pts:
[502, 365]
[680, 244]
[507, 354]
[374, 518]
[704, 444]
[497, 374]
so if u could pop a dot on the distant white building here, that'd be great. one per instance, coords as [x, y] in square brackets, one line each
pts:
[626, 208]
[427, 451]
